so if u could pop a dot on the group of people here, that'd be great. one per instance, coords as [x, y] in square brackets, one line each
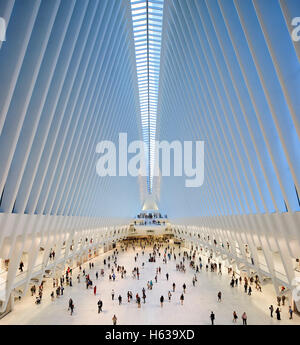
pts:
[38, 298]
[278, 311]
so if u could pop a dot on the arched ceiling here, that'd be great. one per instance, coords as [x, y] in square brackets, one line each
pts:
[224, 72]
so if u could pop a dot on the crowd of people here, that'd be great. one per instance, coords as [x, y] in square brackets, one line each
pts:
[182, 259]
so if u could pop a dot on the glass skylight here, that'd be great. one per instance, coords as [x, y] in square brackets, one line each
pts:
[147, 27]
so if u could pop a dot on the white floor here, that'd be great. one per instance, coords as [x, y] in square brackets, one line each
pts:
[199, 300]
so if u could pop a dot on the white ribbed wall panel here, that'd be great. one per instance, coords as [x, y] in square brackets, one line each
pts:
[229, 76]
[68, 81]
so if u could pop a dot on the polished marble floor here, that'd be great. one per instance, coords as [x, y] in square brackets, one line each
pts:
[199, 300]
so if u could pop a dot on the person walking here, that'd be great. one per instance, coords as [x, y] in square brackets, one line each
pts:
[283, 299]
[181, 299]
[184, 287]
[114, 319]
[70, 303]
[138, 300]
[244, 318]
[174, 285]
[271, 310]
[161, 301]
[212, 317]
[72, 308]
[235, 316]
[219, 296]
[112, 294]
[169, 296]
[120, 299]
[291, 312]
[100, 304]
[95, 290]
[167, 276]
[249, 290]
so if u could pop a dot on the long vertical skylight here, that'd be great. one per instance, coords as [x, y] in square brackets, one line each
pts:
[147, 27]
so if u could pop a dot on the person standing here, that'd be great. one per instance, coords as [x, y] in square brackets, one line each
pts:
[161, 301]
[283, 299]
[271, 310]
[114, 319]
[232, 283]
[212, 317]
[278, 300]
[277, 311]
[32, 290]
[235, 316]
[100, 304]
[244, 318]
[21, 266]
[291, 312]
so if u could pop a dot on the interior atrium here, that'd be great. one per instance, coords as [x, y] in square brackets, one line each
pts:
[149, 162]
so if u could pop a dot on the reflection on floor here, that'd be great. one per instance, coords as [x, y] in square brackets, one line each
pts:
[199, 300]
